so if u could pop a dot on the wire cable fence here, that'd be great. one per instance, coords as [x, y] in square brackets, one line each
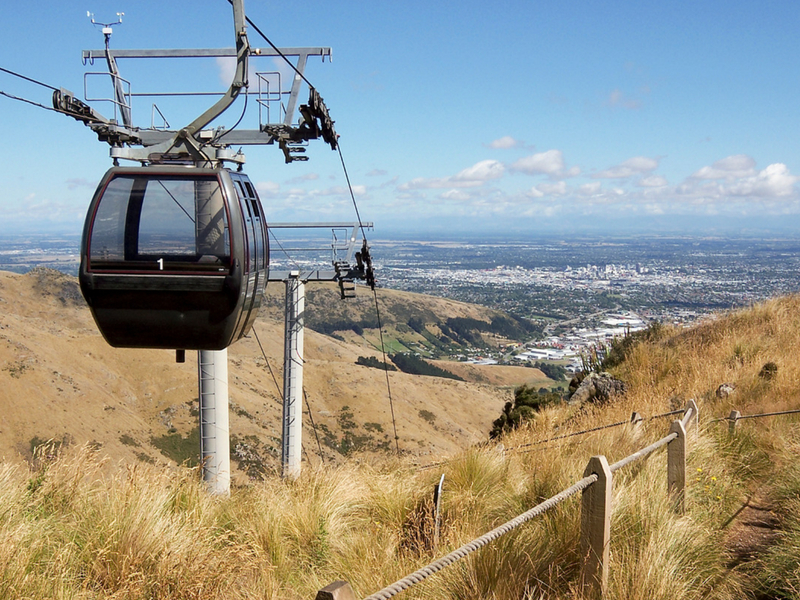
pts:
[635, 418]
[595, 514]
[735, 416]
[438, 565]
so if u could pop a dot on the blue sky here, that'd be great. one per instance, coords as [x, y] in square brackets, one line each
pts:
[520, 117]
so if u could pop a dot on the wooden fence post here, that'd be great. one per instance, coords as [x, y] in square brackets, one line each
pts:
[733, 418]
[695, 419]
[596, 528]
[437, 503]
[676, 467]
[338, 590]
[636, 423]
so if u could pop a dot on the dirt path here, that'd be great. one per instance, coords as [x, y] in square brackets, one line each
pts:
[752, 529]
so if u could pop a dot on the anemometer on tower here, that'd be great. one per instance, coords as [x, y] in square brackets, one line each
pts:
[175, 251]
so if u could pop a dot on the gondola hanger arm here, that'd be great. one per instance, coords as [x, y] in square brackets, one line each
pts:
[239, 76]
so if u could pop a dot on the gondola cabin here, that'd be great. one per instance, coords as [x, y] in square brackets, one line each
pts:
[174, 257]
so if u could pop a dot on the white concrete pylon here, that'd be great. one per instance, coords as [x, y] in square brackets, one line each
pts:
[292, 439]
[212, 375]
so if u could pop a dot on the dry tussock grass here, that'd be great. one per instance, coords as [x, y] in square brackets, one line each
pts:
[732, 349]
[70, 530]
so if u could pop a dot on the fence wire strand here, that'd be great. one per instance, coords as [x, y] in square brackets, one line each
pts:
[461, 552]
[569, 435]
[757, 416]
[688, 414]
[477, 543]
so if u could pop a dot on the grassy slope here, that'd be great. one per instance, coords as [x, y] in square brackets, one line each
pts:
[60, 380]
[71, 532]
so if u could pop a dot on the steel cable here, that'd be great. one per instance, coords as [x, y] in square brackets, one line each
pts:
[10, 72]
[773, 414]
[642, 453]
[569, 435]
[461, 552]
[12, 97]
[477, 543]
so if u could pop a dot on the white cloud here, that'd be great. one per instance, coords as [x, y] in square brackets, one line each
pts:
[302, 178]
[631, 167]
[377, 173]
[589, 189]
[654, 209]
[730, 180]
[473, 176]
[553, 189]
[534, 193]
[558, 188]
[421, 183]
[458, 195]
[731, 167]
[389, 182]
[268, 188]
[652, 181]
[550, 162]
[505, 143]
[42, 210]
[338, 190]
[482, 171]
[775, 181]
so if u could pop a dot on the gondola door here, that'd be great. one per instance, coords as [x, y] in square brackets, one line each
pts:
[257, 248]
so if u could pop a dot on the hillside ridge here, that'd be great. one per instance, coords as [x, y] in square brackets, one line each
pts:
[61, 381]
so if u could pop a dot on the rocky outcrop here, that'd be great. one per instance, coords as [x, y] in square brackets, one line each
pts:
[725, 390]
[597, 388]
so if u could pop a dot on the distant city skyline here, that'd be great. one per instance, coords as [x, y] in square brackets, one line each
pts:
[455, 118]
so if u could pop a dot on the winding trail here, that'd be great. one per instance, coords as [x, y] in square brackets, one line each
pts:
[752, 529]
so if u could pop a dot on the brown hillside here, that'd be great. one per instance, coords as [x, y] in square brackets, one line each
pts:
[60, 380]
[499, 375]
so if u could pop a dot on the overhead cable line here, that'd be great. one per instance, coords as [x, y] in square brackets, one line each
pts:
[280, 395]
[313, 426]
[31, 80]
[277, 241]
[337, 146]
[235, 125]
[350, 188]
[274, 47]
[269, 367]
[375, 296]
[27, 101]
[10, 72]
[386, 371]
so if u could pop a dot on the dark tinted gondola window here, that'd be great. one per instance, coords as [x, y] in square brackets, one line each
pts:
[108, 227]
[168, 219]
[161, 223]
